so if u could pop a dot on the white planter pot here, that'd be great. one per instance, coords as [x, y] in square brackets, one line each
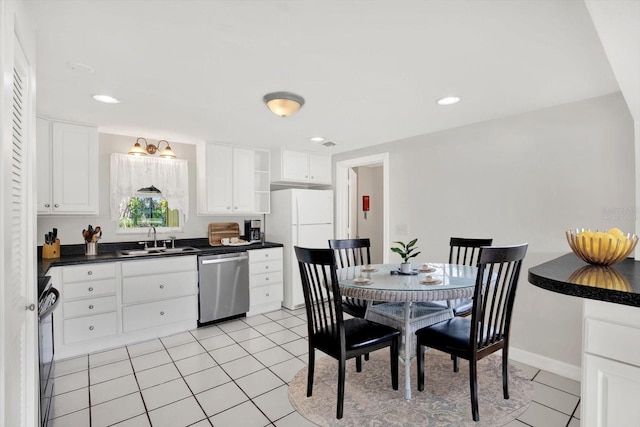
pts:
[405, 267]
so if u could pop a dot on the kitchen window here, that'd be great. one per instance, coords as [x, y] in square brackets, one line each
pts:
[148, 192]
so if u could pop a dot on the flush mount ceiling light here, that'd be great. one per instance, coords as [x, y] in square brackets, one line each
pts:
[317, 139]
[283, 104]
[138, 150]
[448, 100]
[106, 98]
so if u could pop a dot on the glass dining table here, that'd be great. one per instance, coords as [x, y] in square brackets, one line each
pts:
[408, 302]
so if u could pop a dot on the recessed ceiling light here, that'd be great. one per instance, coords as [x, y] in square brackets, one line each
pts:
[106, 98]
[316, 139]
[449, 100]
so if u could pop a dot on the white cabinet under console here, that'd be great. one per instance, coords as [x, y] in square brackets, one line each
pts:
[265, 280]
[610, 365]
[159, 292]
[110, 304]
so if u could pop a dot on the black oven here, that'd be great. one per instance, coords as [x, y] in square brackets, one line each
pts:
[47, 302]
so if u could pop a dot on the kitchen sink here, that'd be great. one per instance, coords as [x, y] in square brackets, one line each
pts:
[155, 251]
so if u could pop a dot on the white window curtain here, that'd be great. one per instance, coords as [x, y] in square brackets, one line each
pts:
[131, 173]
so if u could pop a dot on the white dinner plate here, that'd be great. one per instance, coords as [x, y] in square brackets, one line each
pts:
[432, 281]
[362, 281]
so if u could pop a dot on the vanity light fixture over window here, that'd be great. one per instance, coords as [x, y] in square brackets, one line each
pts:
[138, 150]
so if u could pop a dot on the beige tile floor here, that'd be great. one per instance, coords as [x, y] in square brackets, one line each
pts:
[231, 374]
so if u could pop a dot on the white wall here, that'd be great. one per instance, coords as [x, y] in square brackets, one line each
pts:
[70, 227]
[525, 178]
[370, 183]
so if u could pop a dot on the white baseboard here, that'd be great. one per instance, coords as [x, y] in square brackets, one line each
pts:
[548, 364]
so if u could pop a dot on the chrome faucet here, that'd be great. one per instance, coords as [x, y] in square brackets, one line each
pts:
[155, 240]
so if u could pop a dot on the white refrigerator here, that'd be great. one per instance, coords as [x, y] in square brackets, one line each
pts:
[299, 217]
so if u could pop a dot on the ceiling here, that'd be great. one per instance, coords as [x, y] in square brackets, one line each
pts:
[370, 72]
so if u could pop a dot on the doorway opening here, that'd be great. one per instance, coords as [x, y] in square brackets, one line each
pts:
[350, 218]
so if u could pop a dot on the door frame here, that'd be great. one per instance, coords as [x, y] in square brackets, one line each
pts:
[342, 195]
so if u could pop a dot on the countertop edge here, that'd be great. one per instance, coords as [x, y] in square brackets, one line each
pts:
[546, 276]
[112, 256]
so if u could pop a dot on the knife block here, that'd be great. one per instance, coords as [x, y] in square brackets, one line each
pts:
[52, 250]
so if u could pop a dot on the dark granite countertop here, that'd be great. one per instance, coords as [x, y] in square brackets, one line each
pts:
[569, 275]
[109, 252]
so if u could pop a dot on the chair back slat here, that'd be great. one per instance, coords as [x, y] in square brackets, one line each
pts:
[321, 292]
[351, 252]
[494, 294]
[465, 251]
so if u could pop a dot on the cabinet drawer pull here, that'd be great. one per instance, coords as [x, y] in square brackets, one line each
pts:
[228, 207]
[161, 286]
[56, 205]
[91, 307]
[267, 294]
[266, 279]
[266, 255]
[89, 272]
[47, 205]
[162, 313]
[266, 267]
[91, 328]
[90, 289]
[312, 177]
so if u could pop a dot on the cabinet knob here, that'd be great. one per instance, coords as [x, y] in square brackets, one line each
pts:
[266, 279]
[161, 286]
[267, 294]
[91, 328]
[235, 207]
[162, 313]
[266, 267]
[312, 177]
[46, 205]
[266, 255]
[228, 207]
[91, 307]
[30, 307]
[306, 176]
[90, 272]
[90, 289]
[56, 205]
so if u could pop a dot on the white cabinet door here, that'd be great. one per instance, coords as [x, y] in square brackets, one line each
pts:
[609, 393]
[243, 180]
[319, 168]
[43, 158]
[74, 168]
[229, 179]
[219, 178]
[295, 166]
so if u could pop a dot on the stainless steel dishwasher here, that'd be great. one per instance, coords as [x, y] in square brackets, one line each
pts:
[224, 286]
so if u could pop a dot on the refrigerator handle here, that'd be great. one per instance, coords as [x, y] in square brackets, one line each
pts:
[297, 221]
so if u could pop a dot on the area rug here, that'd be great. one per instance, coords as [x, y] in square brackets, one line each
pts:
[370, 401]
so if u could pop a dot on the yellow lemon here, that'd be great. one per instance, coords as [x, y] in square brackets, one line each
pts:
[584, 240]
[616, 232]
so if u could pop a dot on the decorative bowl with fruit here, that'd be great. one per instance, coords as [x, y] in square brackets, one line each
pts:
[601, 247]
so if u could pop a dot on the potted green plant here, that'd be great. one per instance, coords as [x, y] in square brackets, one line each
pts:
[406, 251]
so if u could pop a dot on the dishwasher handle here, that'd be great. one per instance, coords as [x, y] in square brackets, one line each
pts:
[220, 260]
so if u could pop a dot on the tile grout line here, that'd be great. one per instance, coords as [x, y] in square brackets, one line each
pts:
[146, 410]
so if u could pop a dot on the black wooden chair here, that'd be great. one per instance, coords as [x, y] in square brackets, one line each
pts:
[465, 251]
[487, 331]
[349, 253]
[328, 331]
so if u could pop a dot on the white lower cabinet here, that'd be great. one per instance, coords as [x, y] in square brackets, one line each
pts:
[265, 280]
[610, 365]
[110, 304]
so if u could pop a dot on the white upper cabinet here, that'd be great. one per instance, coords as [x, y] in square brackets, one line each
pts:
[301, 167]
[67, 158]
[231, 180]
